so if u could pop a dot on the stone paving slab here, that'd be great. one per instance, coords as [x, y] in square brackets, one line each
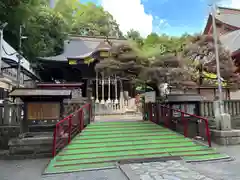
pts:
[31, 169]
[170, 170]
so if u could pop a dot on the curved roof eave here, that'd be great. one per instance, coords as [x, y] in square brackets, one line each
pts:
[229, 19]
[82, 47]
[88, 54]
[64, 58]
[231, 41]
[59, 58]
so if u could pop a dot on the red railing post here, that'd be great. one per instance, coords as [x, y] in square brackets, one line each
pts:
[185, 125]
[167, 113]
[165, 110]
[69, 129]
[54, 141]
[82, 120]
[208, 133]
[157, 113]
[90, 112]
[150, 112]
[168, 116]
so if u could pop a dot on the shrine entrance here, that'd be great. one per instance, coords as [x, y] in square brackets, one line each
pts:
[110, 95]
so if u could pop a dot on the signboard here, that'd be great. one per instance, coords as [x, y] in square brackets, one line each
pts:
[43, 111]
[150, 97]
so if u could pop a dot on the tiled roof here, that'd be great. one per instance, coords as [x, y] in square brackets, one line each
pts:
[230, 19]
[82, 47]
[40, 92]
[231, 40]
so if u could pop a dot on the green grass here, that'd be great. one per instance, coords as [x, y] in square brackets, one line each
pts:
[102, 144]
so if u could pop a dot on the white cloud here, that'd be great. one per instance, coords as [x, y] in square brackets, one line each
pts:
[229, 3]
[235, 4]
[130, 14]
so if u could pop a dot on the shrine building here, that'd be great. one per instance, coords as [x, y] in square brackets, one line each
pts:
[228, 29]
[77, 64]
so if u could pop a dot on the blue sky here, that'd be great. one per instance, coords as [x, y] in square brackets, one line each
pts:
[181, 15]
[173, 17]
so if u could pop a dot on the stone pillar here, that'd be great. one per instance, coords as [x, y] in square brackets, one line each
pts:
[116, 96]
[102, 101]
[6, 115]
[109, 90]
[97, 99]
[223, 121]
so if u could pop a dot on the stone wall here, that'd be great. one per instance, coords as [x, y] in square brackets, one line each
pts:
[38, 143]
[6, 133]
[231, 107]
[231, 137]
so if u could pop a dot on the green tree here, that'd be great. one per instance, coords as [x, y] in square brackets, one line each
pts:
[93, 20]
[69, 11]
[155, 69]
[133, 34]
[169, 69]
[47, 28]
[152, 39]
[46, 32]
[43, 27]
[201, 53]
[123, 62]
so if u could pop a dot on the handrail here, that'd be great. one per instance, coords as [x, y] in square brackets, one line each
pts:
[185, 121]
[70, 127]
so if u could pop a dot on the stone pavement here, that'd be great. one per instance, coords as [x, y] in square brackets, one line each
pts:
[221, 170]
[32, 170]
[170, 170]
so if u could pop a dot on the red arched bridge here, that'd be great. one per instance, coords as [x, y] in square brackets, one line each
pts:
[80, 143]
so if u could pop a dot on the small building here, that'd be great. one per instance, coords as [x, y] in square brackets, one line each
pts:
[41, 105]
[228, 28]
[8, 79]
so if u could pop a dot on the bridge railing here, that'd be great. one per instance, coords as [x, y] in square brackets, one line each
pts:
[70, 126]
[190, 125]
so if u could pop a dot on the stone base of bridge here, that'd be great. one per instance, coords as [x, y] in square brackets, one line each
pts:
[32, 145]
[228, 137]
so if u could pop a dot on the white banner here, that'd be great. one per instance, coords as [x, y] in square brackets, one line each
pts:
[150, 97]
